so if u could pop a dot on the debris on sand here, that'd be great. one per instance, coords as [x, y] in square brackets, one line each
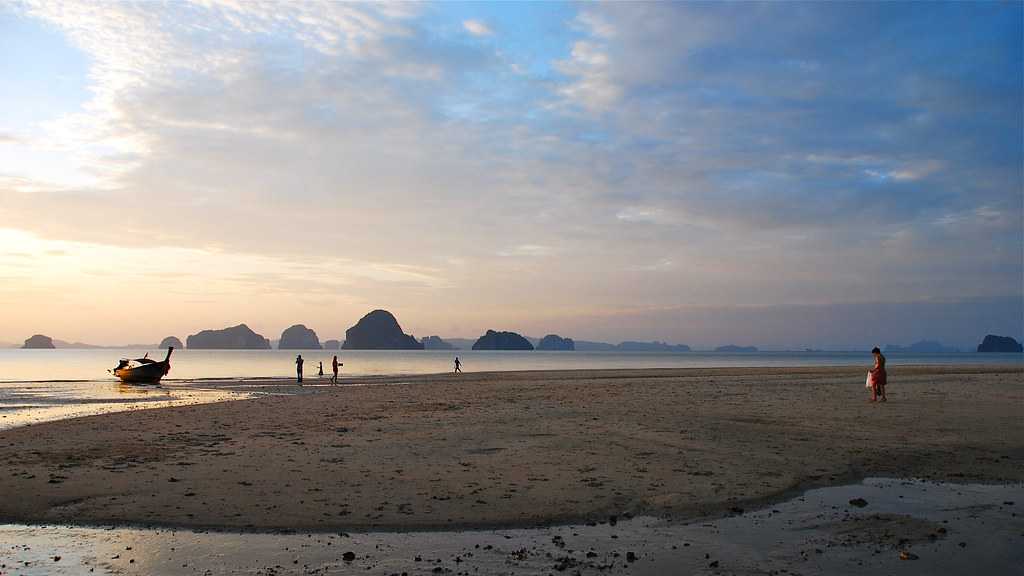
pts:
[906, 555]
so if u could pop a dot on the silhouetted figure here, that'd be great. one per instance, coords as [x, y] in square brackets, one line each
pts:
[878, 376]
[334, 366]
[458, 365]
[320, 372]
[298, 368]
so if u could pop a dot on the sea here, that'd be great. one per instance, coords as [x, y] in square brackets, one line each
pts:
[42, 385]
[93, 365]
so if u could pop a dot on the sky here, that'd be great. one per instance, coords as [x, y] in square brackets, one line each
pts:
[784, 175]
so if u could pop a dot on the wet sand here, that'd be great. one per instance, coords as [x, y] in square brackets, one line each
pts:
[24, 403]
[514, 449]
[901, 527]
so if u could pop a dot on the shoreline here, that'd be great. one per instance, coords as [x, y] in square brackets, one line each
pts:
[747, 454]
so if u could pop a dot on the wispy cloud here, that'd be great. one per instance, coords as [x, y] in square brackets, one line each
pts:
[591, 84]
[527, 250]
[641, 214]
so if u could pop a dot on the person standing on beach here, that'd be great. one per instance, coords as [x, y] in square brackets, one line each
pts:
[298, 368]
[320, 372]
[878, 376]
[334, 366]
[458, 365]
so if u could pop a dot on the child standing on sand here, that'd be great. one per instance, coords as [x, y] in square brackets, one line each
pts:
[878, 376]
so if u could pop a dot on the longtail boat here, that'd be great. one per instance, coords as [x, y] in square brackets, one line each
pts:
[143, 370]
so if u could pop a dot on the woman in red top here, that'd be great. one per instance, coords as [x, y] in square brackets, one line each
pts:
[878, 376]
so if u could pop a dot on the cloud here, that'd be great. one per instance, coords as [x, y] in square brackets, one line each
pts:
[640, 214]
[662, 265]
[592, 86]
[140, 48]
[746, 154]
[527, 250]
[916, 171]
[477, 28]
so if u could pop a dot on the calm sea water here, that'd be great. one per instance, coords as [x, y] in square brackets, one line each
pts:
[93, 365]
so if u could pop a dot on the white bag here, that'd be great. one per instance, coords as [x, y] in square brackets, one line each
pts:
[868, 383]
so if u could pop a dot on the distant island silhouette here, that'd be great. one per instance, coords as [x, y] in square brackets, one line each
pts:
[298, 337]
[735, 348]
[556, 342]
[38, 342]
[922, 347]
[77, 345]
[239, 337]
[589, 346]
[436, 343]
[171, 341]
[493, 340]
[461, 343]
[379, 330]
[993, 343]
[630, 346]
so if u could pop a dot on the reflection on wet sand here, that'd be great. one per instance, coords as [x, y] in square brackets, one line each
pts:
[35, 402]
[915, 527]
[140, 389]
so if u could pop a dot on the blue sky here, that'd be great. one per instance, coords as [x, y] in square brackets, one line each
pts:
[44, 76]
[689, 172]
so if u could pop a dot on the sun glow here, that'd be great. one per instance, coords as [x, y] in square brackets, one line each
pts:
[56, 287]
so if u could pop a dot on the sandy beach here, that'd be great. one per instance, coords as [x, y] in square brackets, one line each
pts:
[514, 449]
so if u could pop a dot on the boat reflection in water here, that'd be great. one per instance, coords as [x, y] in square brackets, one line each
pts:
[143, 370]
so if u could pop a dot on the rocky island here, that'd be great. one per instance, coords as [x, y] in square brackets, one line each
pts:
[298, 337]
[171, 342]
[993, 343]
[38, 342]
[555, 342]
[239, 337]
[332, 345]
[502, 341]
[379, 330]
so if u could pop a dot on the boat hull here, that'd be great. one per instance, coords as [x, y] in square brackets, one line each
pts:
[145, 374]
